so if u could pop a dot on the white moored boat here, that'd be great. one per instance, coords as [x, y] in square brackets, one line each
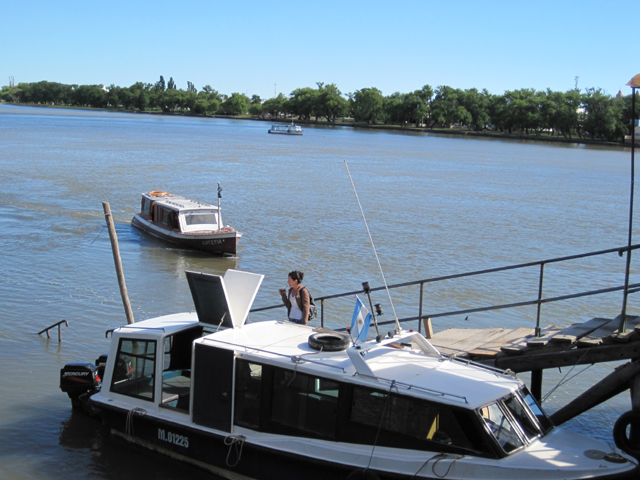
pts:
[279, 400]
[185, 222]
[286, 129]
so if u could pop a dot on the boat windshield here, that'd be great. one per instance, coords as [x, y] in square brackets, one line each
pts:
[537, 411]
[501, 427]
[516, 419]
[201, 218]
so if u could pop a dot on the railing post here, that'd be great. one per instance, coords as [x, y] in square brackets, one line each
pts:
[322, 313]
[538, 330]
[420, 308]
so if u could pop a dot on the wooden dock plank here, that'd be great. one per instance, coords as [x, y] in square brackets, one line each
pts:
[604, 334]
[576, 331]
[459, 341]
[570, 334]
[508, 339]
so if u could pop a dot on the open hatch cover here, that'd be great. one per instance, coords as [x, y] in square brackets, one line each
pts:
[224, 300]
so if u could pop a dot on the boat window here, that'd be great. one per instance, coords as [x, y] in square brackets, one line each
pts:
[544, 421]
[520, 413]
[501, 427]
[412, 423]
[247, 394]
[202, 218]
[134, 371]
[304, 403]
[146, 206]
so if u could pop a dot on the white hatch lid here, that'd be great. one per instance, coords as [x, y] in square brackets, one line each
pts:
[224, 300]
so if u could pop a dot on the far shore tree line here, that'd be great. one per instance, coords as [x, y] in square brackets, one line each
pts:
[591, 113]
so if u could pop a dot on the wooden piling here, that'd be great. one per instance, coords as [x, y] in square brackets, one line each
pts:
[116, 258]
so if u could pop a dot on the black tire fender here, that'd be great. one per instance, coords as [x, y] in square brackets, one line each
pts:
[363, 474]
[329, 341]
[620, 432]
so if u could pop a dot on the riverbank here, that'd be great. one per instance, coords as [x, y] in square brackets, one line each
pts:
[456, 132]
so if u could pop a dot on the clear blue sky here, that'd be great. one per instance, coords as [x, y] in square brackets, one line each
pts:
[256, 47]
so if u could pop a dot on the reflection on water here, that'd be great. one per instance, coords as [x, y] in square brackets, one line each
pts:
[435, 206]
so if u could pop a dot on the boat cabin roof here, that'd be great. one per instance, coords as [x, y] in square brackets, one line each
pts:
[176, 202]
[429, 375]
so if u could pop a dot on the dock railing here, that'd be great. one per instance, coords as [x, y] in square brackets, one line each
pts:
[538, 301]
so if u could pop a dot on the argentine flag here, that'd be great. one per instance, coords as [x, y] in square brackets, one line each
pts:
[360, 322]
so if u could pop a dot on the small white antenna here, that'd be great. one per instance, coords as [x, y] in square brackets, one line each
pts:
[374, 250]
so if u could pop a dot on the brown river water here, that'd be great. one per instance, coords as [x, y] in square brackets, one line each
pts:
[435, 206]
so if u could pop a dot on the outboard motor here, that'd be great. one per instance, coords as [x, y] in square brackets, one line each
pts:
[101, 363]
[77, 379]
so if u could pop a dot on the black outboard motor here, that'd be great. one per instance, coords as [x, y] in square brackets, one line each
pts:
[77, 379]
[101, 363]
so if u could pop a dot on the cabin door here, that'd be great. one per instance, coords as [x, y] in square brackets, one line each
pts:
[213, 387]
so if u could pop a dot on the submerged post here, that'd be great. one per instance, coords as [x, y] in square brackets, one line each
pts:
[116, 258]
[633, 83]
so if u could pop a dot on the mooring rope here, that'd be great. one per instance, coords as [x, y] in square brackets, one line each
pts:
[233, 441]
[384, 410]
[562, 381]
[128, 429]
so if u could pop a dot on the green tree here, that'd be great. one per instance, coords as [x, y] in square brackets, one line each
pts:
[603, 118]
[447, 107]
[330, 102]
[303, 102]
[276, 106]
[236, 104]
[368, 105]
[142, 100]
[477, 104]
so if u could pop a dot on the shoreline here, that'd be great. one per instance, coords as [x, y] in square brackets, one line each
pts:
[461, 133]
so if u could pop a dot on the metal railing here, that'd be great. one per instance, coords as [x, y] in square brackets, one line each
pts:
[59, 325]
[539, 301]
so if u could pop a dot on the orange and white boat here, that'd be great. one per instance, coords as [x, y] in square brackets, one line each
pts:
[186, 222]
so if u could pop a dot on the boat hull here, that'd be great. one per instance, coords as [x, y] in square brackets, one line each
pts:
[219, 242]
[227, 456]
[285, 133]
[220, 454]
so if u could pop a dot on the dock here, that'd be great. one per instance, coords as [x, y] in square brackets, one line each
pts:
[595, 341]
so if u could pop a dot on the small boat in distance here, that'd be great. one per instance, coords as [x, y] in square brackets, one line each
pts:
[185, 222]
[286, 129]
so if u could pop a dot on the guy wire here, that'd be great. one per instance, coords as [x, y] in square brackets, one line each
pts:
[374, 249]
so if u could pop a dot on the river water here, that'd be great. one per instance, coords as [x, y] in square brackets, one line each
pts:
[434, 206]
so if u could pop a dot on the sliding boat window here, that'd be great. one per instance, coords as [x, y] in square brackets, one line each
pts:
[134, 371]
[409, 422]
[247, 396]
[303, 404]
[537, 411]
[501, 428]
[201, 218]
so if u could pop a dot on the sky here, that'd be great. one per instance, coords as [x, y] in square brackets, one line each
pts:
[266, 47]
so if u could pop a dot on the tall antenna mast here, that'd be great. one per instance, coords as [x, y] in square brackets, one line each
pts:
[399, 329]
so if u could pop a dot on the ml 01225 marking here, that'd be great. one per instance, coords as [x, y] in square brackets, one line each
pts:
[174, 438]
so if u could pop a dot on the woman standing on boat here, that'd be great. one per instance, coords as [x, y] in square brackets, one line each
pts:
[297, 299]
